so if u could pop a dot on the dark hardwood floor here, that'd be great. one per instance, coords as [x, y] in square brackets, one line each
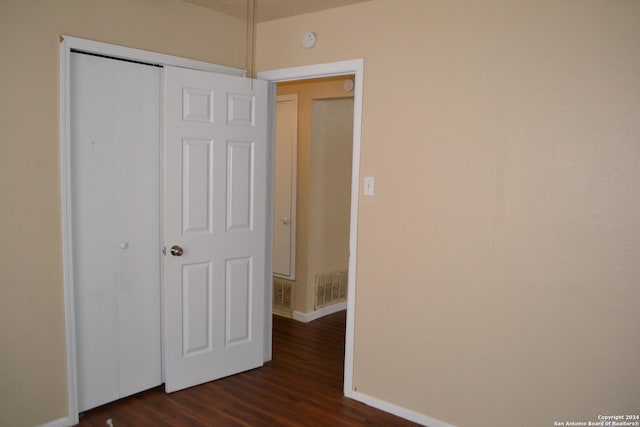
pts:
[302, 386]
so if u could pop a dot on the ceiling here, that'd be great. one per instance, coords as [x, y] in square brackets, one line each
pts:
[268, 10]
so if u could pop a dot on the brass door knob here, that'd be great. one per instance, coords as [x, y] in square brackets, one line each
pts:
[176, 250]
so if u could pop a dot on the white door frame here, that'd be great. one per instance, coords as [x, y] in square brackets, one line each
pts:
[68, 44]
[352, 67]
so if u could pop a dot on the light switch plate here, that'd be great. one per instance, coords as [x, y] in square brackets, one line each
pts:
[369, 186]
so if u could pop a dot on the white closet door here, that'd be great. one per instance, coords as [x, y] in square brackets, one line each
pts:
[115, 137]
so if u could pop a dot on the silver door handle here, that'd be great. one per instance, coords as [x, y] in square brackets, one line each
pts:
[285, 221]
[176, 250]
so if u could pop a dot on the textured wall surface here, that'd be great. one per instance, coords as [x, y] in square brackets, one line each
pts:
[497, 273]
[33, 389]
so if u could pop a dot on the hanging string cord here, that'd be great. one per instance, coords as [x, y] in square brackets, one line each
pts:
[251, 27]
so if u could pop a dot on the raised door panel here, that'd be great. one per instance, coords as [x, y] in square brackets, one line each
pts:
[240, 192]
[241, 109]
[196, 308]
[238, 301]
[197, 105]
[197, 182]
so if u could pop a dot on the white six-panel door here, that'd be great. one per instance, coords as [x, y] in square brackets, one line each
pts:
[214, 225]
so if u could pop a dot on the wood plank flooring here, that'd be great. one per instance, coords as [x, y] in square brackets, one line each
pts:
[302, 386]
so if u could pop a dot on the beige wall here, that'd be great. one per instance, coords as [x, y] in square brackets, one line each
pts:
[498, 273]
[307, 91]
[330, 187]
[32, 360]
[497, 263]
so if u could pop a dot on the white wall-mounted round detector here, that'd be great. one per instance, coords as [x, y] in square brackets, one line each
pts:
[348, 85]
[309, 40]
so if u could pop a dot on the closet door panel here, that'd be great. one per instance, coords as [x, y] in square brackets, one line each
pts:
[137, 135]
[94, 214]
[115, 214]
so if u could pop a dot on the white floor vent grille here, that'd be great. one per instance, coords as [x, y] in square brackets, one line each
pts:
[331, 288]
[283, 297]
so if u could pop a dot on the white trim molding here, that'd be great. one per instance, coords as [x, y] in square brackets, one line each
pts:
[138, 55]
[352, 67]
[67, 45]
[331, 69]
[405, 413]
[316, 314]
[268, 278]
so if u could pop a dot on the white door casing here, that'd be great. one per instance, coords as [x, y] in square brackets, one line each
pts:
[285, 187]
[215, 187]
[341, 68]
[115, 141]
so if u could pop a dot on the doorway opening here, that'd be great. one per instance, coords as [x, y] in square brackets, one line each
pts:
[351, 71]
[312, 195]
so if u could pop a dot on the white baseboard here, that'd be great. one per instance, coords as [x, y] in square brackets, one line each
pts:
[324, 311]
[399, 411]
[62, 422]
